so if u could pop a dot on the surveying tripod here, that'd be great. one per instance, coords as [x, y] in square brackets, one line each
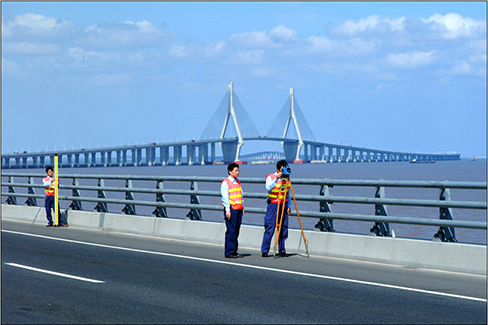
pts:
[279, 220]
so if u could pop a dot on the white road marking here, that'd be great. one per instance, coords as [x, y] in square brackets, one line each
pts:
[54, 273]
[258, 267]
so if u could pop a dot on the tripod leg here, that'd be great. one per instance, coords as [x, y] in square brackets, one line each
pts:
[277, 225]
[281, 219]
[299, 220]
[40, 208]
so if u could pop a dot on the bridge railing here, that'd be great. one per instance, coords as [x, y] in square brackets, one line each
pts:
[99, 195]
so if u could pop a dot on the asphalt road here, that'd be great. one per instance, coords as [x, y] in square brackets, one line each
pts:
[106, 277]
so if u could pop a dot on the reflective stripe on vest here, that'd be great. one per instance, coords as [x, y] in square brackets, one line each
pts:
[281, 185]
[49, 190]
[235, 194]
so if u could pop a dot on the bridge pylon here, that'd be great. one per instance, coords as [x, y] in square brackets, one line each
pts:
[231, 150]
[292, 149]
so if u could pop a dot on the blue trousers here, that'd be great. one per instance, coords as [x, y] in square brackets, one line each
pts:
[270, 225]
[49, 204]
[232, 233]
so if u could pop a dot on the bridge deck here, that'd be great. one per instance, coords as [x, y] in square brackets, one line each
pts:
[158, 280]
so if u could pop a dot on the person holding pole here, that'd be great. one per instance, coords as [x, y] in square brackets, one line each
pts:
[49, 184]
[277, 210]
[231, 192]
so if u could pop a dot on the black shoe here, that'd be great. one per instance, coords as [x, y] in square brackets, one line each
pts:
[239, 256]
[264, 255]
[283, 254]
[232, 256]
[49, 225]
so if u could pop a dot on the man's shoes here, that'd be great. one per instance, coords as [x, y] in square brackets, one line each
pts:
[264, 255]
[235, 256]
[283, 254]
[49, 225]
[64, 225]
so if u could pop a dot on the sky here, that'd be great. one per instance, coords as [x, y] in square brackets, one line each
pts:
[400, 76]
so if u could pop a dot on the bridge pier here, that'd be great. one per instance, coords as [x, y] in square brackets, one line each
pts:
[124, 157]
[291, 149]
[203, 153]
[229, 150]
[163, 155]
[177, 154]
[190, 154]
[212, 152]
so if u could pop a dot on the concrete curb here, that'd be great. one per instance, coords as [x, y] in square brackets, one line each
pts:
[456, 257]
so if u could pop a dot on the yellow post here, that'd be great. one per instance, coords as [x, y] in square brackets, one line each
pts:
[56, 191]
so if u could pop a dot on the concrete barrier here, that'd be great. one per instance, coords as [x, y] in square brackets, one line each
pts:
[457, 257]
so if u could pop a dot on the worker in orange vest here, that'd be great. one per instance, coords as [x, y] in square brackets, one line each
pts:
[277, 186]
[231, 192]
[49, 182]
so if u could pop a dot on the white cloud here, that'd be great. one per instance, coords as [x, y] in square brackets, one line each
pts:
[13, 48]
[128, 34]
[337, 48]
[372, 23]
[283, 33]
[452, 25]
[9, 67]
[462, 68]
[35, 25]
[411, 59]
[254, 40]
[273, 38]
[215, 49]
[197, 52]
[94, 58]
[248, 57]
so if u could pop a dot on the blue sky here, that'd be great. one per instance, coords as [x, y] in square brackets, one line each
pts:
[403, 76]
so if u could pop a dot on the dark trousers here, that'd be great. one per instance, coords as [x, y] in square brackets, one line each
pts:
[270, 225]
[232, 233]
[49, 204]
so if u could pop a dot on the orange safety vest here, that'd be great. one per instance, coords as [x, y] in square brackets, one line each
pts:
[235, 194]
[50, 188]
[281, 186]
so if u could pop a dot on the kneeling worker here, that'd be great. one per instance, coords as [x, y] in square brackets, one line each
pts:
[231, 192]
[276, 185]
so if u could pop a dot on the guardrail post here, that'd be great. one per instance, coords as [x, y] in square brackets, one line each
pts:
[380, 228]
[445, 233]
[324, 224]
[76, 205]
[160, 212]
[194, 214]
[129, 208]
[11, 199]
[101, 206]
[31, 201]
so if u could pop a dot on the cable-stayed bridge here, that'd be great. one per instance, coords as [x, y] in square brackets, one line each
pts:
[230, 127]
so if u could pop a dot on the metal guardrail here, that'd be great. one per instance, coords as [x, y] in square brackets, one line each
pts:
[381, 218]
